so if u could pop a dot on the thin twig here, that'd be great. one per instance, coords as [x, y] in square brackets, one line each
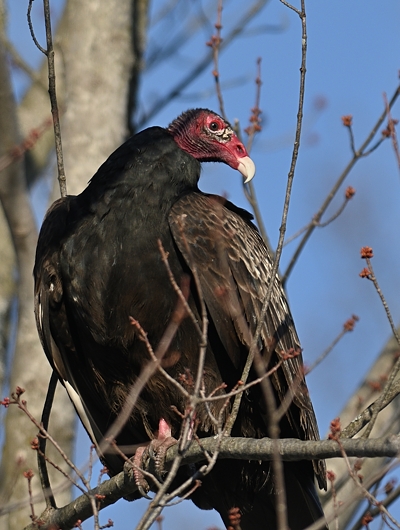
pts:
[146, 373]
[58, 468]
[331, 477]
[365, 416]
[288, 399]
[300, 13]
[20, 62]
[255, 120]
[29, 476]
[266, 385]
[32, 31]
[355, 496]
[240, 388]
[395, 370]
[143, 337]
[28, 143]
[49, 53]
[352, 144]
[91, 461]
[375, 146]
[204, 334]
[253, 129]
[349, 194]
[358, 154]
[53, 100]
[22, 405]
[177, 288]
[387, 501]
[156, 505]
[282, 230]
[383, 300]
[203, 64]
[161, 498]
[215, 44]
[130, 464]
[282, 522]
[277, 464]
[391, 130]
[347, 326]
[365, 492]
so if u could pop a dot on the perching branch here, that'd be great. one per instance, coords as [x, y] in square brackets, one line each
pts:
[124, 484]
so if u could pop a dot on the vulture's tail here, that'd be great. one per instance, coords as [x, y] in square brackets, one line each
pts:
[303, 505]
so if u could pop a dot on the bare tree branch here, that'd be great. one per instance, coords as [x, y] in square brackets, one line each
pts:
[124, 483]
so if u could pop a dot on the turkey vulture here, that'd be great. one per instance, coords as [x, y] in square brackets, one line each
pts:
[98, 263]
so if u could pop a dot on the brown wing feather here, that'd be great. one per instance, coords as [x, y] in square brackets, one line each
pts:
[50, 313]
[234, 275]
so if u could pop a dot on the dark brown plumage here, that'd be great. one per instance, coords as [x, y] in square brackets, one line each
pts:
[98, 263]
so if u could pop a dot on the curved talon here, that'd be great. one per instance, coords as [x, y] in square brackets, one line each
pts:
[143, 491]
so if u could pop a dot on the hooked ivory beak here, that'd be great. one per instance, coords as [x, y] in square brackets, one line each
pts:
[247, 168]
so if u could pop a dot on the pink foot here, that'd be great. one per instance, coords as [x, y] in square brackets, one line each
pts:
[159, 446]
[156, 450]
[139, 459]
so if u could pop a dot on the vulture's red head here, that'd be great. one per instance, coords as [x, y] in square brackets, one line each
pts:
[209, 138]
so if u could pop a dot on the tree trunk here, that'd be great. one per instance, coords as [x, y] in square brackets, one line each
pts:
[98, 57]
[388, 422]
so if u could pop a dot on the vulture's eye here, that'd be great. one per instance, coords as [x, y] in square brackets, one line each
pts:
[214, 126]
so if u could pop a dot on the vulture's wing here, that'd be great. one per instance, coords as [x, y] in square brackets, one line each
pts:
[50, 311]
[234, 268]
[48, 285]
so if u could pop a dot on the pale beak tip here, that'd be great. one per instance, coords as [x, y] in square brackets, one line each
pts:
[247, 168]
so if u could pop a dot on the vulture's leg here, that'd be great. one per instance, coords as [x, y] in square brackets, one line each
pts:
[156, 450]
[139, 459]
[159, 446]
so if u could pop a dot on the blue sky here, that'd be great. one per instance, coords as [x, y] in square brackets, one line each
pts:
[353, 58]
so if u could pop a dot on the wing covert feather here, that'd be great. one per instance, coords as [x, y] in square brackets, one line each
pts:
[234, 267]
